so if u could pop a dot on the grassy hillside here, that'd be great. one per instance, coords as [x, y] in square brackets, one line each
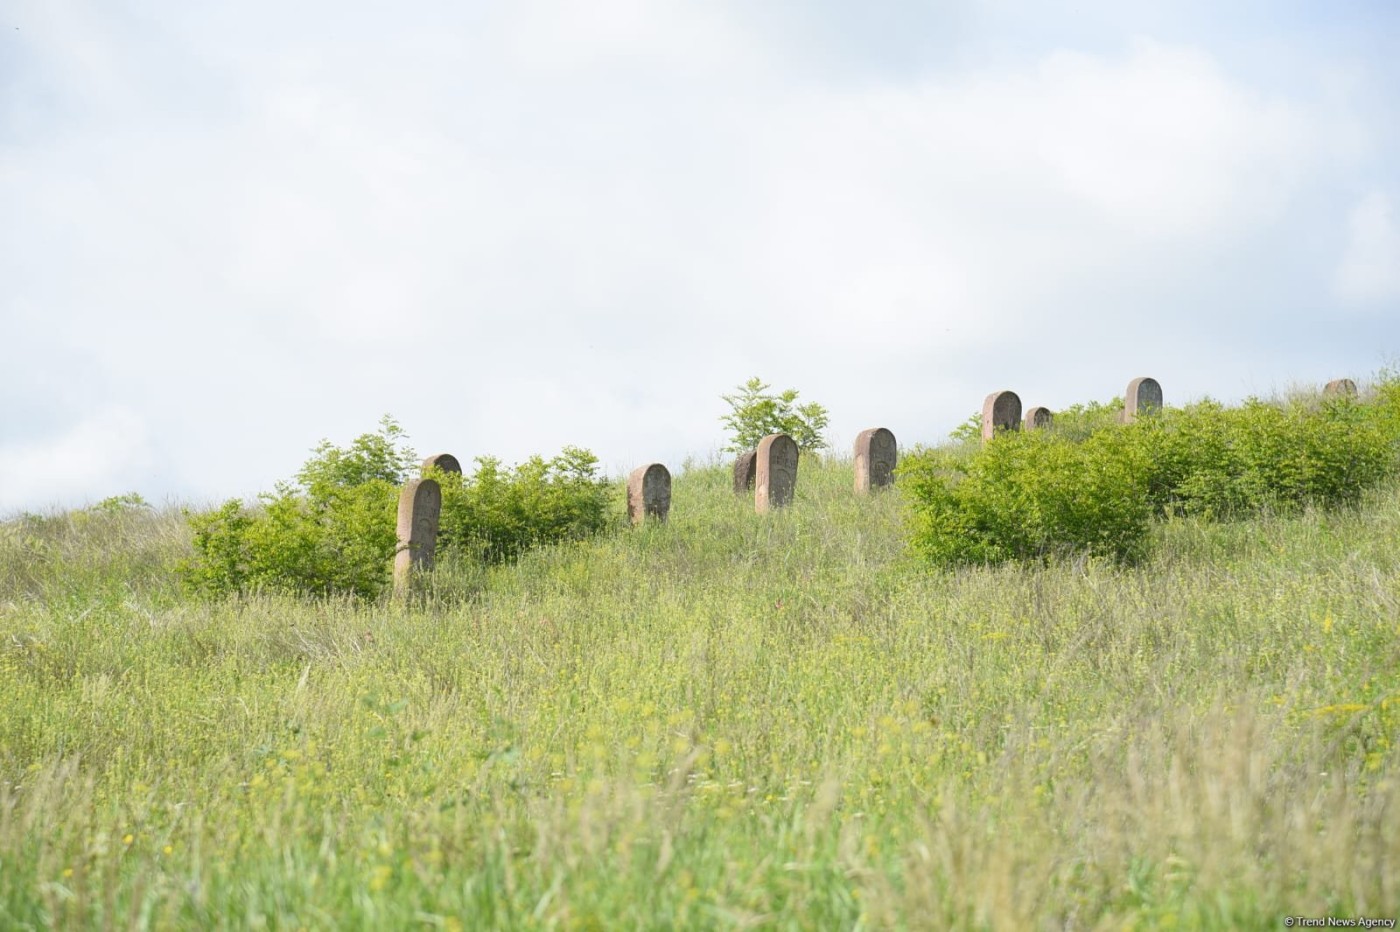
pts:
[726, 721]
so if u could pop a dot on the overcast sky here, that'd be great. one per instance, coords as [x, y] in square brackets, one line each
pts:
[228, 231]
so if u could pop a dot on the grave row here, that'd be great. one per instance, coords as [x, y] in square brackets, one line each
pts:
[770, 471]
[1002, 410]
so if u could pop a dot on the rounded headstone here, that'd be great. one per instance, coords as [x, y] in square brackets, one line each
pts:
[744, 471]
[876, 452]
[444, 461]
[1143, 395]
[1001, 411]
[1038, 417]
[649, 493]
[420, 504]
[1340, 387]
[775, 476]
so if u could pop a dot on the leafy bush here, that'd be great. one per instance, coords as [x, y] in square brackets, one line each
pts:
[333, 530]
[1220, 463]
[497, 513]
[1080, 421]
[755, 414]
[1090, 484]
[1385, 402]
[120, 504]
[1029, 495]
[969, 431]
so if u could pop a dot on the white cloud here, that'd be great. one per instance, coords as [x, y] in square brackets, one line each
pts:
[1369, 272]
[91, 459]
[528, 227]
[952, 210]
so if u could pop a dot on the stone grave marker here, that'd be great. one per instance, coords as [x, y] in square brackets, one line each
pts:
[420, 504]
[649, 493]
[1001, 411]
[1143, 395]
[1038, 417]
[1340, 387]
[775, 475]
[444, 461]
[875, 457]
[743, 472]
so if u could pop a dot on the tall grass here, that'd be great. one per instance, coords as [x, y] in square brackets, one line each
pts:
[724, 721]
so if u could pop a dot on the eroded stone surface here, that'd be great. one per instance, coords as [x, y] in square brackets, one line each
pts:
[1038, 417]
[1001, 411]
[775, 475]
[1143, 395]
[444, 461]
[876, 452]
[649, 493]
[744, 472]
[1340, 387]
[420, 504]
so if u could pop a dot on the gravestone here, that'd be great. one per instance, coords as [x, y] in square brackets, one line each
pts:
[420, 504]
[875, 457]
[743, 472]
[1001, 411]
[1340, 387]
[1039, 417]
[1143, 395]
[444, 461]
[649, 493]
[775, 472]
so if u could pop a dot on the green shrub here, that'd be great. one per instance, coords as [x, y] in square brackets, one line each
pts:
[333, 530]
[755, 414]
[497, 513]
[969, 431]
[1080, 421]
[1385, 402]
[1029, 495]
[1220, 463]
[1090, 484]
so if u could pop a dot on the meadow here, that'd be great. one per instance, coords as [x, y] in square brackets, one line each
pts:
[725, 721]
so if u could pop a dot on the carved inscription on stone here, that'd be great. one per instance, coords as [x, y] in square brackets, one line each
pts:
[1038, 417]
[1143, 395]
[775, 476]
[444, 461]
[1001, 411]
[875, 451]
[649, 493]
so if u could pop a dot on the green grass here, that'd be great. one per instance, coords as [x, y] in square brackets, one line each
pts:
[725, 721]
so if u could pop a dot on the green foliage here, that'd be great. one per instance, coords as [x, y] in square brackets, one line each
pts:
[1385, 401]
[1078, 421]
[756, 413]
[120, 504]
[1089, 484]
[379, 456]
[1029, 495]
[498, 513]
[712, 723]
[715, 722]
[1221, 463]
[334, 529]
[969, 431]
